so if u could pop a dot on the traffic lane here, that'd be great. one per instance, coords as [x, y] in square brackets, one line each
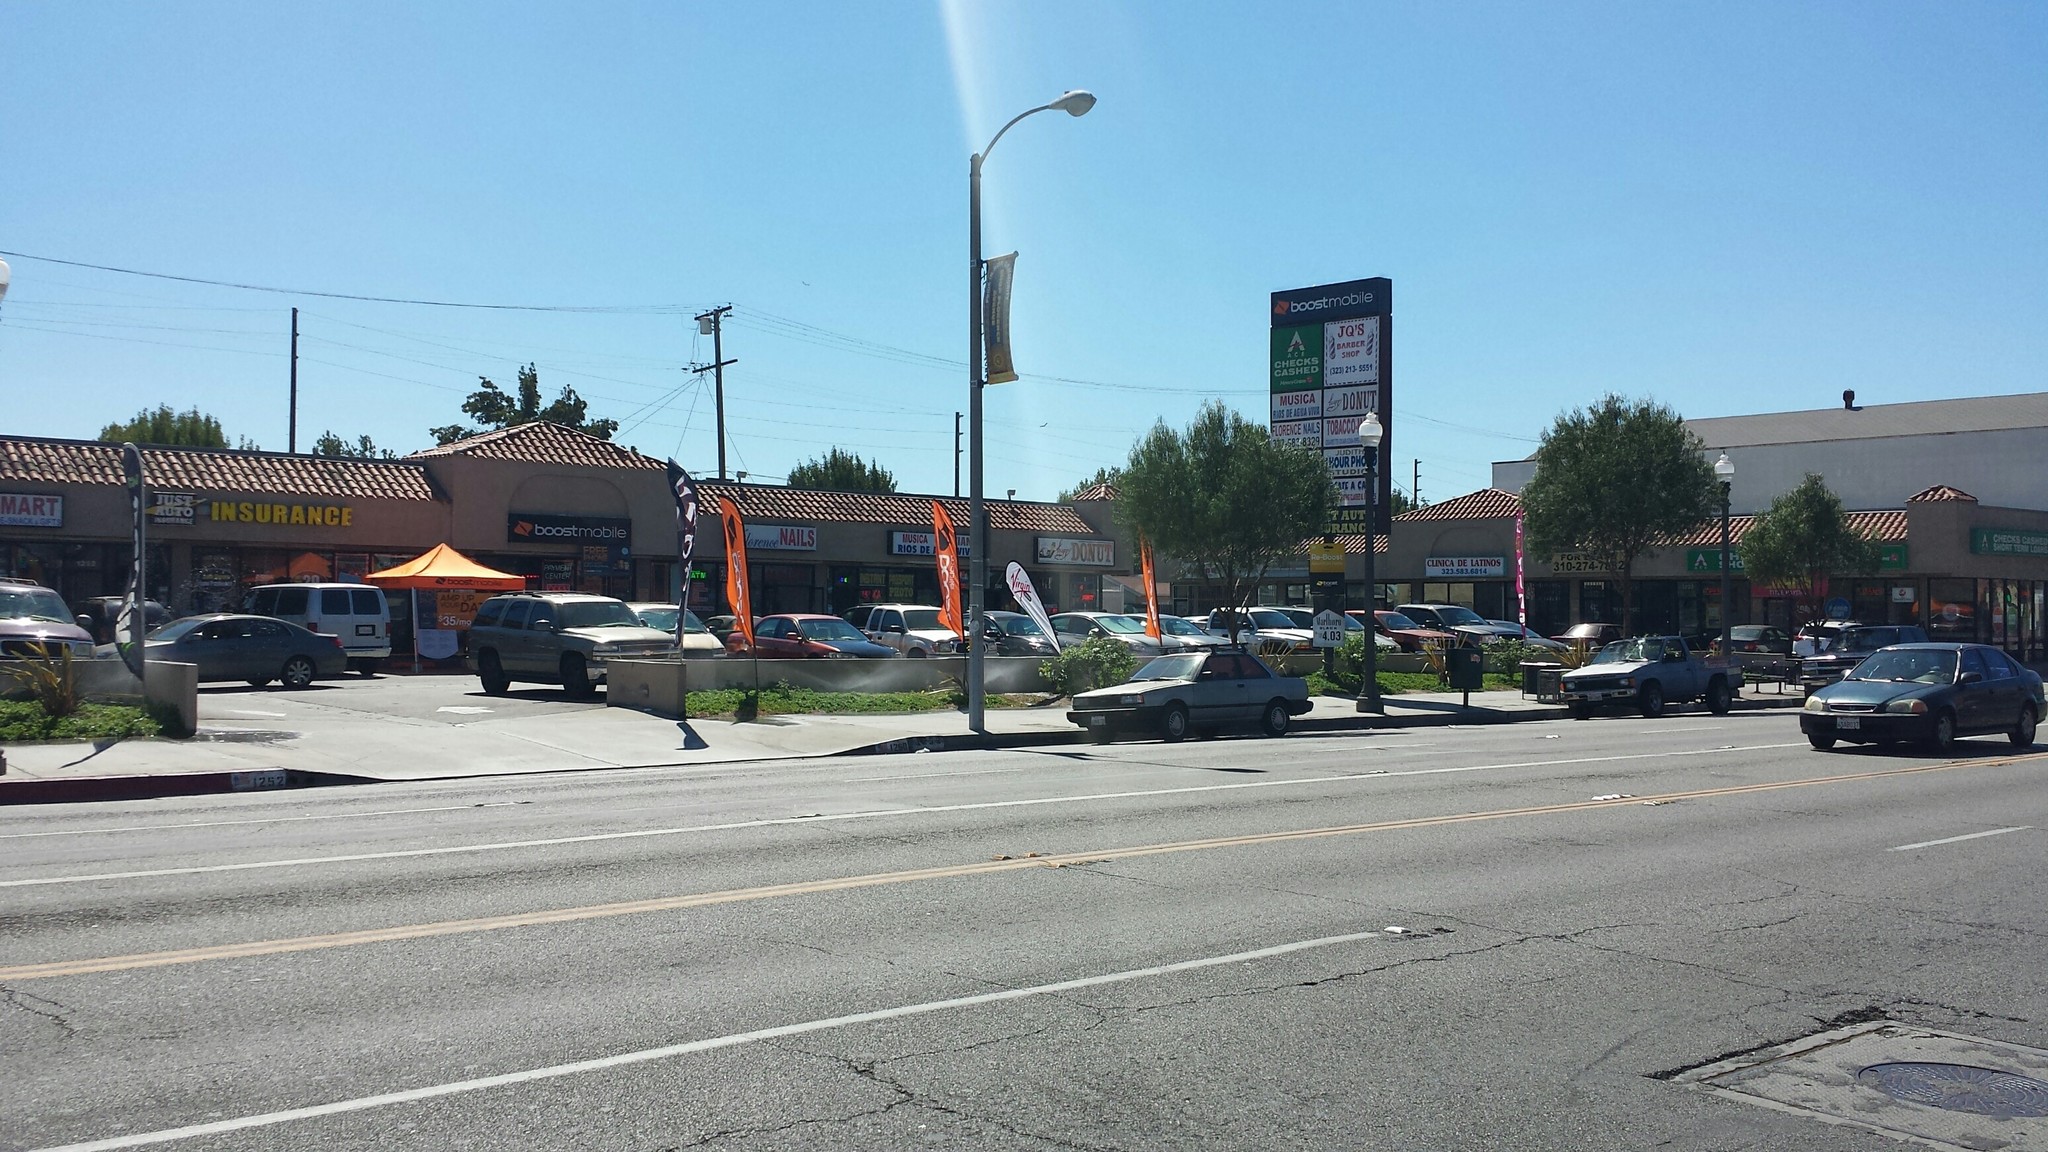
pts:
[446, 1009]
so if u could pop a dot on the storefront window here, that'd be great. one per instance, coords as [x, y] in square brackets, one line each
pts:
[1550, 606]
[1952, 610]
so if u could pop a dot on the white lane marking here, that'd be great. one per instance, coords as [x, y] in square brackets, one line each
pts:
[463, 709]
[254, 712]
[730, 1040]
[263, 820]
[1665, 731]
[1959, 839]
[870, 814]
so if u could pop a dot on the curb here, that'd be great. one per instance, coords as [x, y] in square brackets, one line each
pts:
[91, 789]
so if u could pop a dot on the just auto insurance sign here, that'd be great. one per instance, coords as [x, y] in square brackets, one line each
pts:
[1330, 364]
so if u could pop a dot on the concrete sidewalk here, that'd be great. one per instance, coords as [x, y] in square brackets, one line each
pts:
[334, 739]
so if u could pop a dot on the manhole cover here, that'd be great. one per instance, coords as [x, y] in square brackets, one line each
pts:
[1960, 1088]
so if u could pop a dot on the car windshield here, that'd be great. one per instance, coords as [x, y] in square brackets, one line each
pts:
[1175, 626]
[1747, 632]
[1452, 614]
[1630, 651]
[176, 629]
[33, 604]
[833, 629]
[1398, 622]
[1908, 665]
[1267, 618]
[597, 614]
[1123, 624]
[1864, 639]
[923, 620]
[1182, 667]
[1020, 626]
[660, 619]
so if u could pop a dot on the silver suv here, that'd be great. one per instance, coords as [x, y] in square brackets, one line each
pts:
[35, 619]
[912, 629]
[557, 638]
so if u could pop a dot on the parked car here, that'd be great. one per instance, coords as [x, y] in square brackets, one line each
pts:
[912, 629]
[1074, 627]
[1469, 626]
[1306, 618]
[105, 617]
[1926, 692]
[1649, 673]
[698, 642]
[1847, 649]
[1761, 650]
[1509, 630]
[34, 618]
[1194, 691]
[1589, 635]
[556, 638]
[722, 627]
[1182, 633]
[1014, 634]
[1406, 634]
[1267, 629]
[1815, 638]
[258, 649]
[357, 613]
[807, 635]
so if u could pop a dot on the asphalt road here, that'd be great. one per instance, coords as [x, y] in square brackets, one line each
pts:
[865, 953]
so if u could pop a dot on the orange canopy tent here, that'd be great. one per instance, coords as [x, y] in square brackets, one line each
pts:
[442, 567]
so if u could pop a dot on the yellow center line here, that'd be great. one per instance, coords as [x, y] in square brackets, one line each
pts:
[913, 875]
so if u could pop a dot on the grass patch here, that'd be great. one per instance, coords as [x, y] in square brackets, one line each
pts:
[26, 720]
[1397, 683]
[783, 700]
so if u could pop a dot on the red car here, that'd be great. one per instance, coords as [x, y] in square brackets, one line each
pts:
[1405, 632]
[802, 635]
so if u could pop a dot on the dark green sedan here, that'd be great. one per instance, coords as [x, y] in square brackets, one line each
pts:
[257, 649]
[1926, 693]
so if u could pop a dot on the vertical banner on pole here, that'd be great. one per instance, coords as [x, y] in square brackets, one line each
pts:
[736, 570]
[1027, 597]
[1151, 589]
[138, 587]
[1521, 587]
[947, 549]
[995, 318]
[686, 535]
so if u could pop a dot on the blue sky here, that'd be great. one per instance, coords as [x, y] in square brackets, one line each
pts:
[1730, 207]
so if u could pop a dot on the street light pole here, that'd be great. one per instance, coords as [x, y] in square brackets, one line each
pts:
[1724, 471]
[1074, 103]
[1369, 433]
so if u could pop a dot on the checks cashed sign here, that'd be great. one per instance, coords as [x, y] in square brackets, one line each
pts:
[1069, 550]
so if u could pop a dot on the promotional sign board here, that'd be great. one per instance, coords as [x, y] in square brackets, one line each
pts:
[1904, 594]
[1463, 567]
[26, 510]
[180, 508]
[1325, 556]
[917, 544]
[1336, 341]
[1891, 558]
[529, 528]
[1709, 560]
[782, 538]
[2008, 542]
[1329, 629]
[1072, 550]
[1564, 563]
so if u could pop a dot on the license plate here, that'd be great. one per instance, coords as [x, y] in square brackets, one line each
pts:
[1098, 721]
[1849, 722]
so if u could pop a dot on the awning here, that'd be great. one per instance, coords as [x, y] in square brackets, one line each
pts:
[444, 567]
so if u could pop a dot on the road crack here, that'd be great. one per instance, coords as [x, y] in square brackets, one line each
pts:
[40, 1006]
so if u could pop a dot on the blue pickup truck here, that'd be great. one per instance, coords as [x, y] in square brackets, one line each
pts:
[1650, 673]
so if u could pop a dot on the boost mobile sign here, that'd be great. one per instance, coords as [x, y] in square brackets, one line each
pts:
[1331, 362]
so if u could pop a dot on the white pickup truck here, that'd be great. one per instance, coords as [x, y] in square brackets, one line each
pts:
[1650, 673]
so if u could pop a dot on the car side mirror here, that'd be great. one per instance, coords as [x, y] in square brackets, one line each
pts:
[897, 629]
[83, 621]
[1970, 678]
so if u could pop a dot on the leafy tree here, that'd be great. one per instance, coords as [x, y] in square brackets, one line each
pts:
[1223, 499]
[363, 449]
[192, 429]
[1104, 475]
[1614, 479]
[1802, 538]
[493, 409]
[838, 471]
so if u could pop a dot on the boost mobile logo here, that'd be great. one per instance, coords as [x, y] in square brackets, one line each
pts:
[1285, 307]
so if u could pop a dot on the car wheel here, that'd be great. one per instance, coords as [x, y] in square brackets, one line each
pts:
[1944, 736]
[1719, 697]
[1276, 718]
[1102, 735]
[492, 672]
[1650, 697]
[298, 672]
[1582, 711]
[2023, 736]
[1174, 725]
[915, 653]
[575, 676]
[1820, 743]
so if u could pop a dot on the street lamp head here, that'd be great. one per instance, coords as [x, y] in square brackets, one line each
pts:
[4, 275]
[1369, 431]
[1075, 103]
[1724, 469]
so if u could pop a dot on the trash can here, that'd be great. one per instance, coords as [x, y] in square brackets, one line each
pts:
[1532, 675]
[1467, 667]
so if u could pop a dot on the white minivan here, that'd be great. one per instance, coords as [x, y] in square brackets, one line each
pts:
[357, 613]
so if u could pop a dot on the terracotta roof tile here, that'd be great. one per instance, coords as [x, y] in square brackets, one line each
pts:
[1886, 527]
[543, 443]
[1485, 504]
[1103, 491]
[41, 461]
[1354, 544]
[775, 502]
[1940, 493]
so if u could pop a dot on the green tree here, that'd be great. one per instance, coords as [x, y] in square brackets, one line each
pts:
[363, 449]
[1222, 499]
[1613, 480]
[191, 429]
[493, 408]
[1802, 538]
[838, 471]
[1106, 474]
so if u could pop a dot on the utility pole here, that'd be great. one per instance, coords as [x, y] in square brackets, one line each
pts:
[709, 324]
[956, 455]
[291, 443]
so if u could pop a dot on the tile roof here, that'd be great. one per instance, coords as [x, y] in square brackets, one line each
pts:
[776, 502]
[1354, 544]
[1940, 493]
[43, 461]
[1102, 491]
[1485, 504]
[543, 443]
[1886, 527]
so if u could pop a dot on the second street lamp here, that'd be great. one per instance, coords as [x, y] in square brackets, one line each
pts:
[1074, 103]
[1369, 433]
[1724, 471]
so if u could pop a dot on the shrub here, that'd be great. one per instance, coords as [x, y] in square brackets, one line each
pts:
[1096, 662]
[49, 680]
[1505, 656]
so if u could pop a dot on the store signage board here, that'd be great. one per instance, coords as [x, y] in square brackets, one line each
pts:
[1904, 594]
[30, 510]
[918, 544]
[781, 538]
[1351, 352]
[1325, 557]
[1335, 341]
[1347, 461]
[1069, 550]
[1567, 563]
[1329, 629]
[1296, 406]
[280, 515]
[1709, 560]
[1891, 558]
[1297, 359]
[2008, 542]
[175, 508]
[1463, 567]
[534, 528]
